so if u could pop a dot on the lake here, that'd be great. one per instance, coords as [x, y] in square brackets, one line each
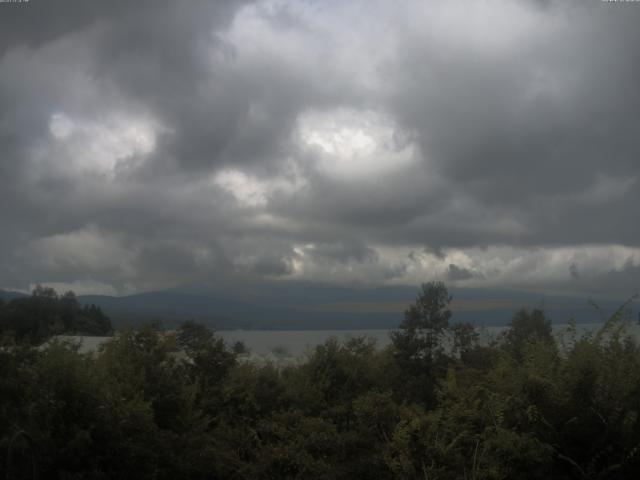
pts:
[278, 344]
[292, 345]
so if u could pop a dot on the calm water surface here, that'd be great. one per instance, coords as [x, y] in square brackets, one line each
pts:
[296, 343]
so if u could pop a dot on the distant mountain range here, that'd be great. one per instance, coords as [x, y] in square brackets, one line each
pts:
[302, 306]
[8, 295]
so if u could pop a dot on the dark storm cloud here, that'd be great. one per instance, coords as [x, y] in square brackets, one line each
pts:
[536, 125]
[188, 141]
[458, 273]
[574, 271]
[55, 58]
[344, 251]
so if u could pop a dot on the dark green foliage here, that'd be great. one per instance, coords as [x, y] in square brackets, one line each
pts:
[436, 404]
[527, 327]
[34, 319]
[465, 341]
[424, 324]
[418, 344]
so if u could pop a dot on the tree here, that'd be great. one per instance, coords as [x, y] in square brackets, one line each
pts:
[527, 327]
[465, 340]
[44, 314]
[420, 333]
[417, 344]
[193, 336]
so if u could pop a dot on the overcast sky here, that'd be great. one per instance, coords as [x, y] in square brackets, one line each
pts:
[153, 144]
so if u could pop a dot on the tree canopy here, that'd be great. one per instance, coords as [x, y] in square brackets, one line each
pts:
[37, 317]
[438, 403]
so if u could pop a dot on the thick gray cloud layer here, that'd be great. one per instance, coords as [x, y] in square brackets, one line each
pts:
[160, 143]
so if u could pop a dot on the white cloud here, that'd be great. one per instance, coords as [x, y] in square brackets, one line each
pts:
[251, 191]
[61, 126]
[499, 266]
[355, 144]
[99, 146]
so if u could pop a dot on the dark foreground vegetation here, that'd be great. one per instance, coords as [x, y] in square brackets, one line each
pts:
[44, 314]
[437, 404]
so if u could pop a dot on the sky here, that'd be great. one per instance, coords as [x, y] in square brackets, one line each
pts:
[156, 144]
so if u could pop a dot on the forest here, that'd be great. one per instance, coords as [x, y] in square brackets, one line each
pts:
[33, 319]
[440, 402]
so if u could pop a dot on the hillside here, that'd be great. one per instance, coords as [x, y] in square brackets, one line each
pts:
[316, 307]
